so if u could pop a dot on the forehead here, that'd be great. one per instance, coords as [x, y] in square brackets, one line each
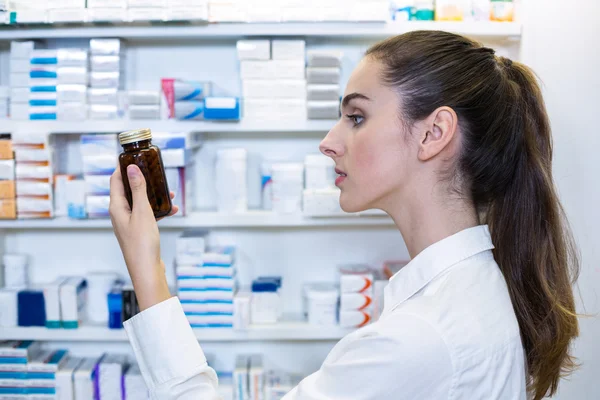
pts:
[366, 80]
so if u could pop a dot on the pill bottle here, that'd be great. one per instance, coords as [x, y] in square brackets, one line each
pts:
[139, 150]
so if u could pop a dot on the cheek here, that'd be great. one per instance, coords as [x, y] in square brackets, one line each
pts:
[377, 157]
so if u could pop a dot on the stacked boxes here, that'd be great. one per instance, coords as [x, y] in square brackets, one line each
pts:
[143, 104]
[26, 371]
[99, 154]
[20, 92]
[206, 282]
[48, 84]
[106, 78]
[33, 173]
[8, 204]
[58, 84]
[273, 78]
[356, 287]
[14, 357]
[41, 372]
[323, 89]
[190, 100]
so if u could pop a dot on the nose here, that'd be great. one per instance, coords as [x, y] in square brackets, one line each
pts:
[331, 145]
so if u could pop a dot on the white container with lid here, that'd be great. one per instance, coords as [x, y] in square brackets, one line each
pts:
[322, 303]
[288, 184]
[320, 171]
[231, 180]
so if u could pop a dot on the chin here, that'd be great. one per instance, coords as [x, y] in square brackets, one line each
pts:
[351, 205]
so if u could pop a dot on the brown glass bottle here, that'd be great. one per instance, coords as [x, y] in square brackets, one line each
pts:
[138, 150]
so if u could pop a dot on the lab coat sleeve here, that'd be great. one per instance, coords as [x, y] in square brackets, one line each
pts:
[404, 360]
[171, 360]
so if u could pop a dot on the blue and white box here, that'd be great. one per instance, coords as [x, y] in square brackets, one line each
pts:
[73, 296]
[222, 108]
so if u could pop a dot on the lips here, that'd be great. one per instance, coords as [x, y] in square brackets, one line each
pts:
[341, 176]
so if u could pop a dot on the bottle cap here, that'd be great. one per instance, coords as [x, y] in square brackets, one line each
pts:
[136, 135]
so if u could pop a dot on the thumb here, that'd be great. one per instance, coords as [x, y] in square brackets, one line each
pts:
[137, 183]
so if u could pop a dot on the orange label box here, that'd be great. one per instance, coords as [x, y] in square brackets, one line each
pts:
[6, 150]
[7, 190]
[8, 209]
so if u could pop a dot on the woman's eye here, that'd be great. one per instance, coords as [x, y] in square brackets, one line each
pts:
[356, 119]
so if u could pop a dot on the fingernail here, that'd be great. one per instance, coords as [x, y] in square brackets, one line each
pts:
[133, 174]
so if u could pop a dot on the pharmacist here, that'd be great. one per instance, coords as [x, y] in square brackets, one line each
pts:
[453, 142]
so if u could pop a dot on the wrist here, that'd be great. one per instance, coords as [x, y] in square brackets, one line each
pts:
[151, 288]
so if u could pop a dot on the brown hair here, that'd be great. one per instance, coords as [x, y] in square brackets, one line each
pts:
[506, 167]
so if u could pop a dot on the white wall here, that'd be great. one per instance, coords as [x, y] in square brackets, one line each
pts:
[561, 43]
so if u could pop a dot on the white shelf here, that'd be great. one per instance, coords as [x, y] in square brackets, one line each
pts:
[91, 126]
[253, 219]
[234, 30]
[283, 331]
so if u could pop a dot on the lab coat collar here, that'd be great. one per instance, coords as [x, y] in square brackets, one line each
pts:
[433, 261]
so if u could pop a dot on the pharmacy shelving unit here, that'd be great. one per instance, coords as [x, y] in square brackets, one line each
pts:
[116, 126]
[287, 330]
[251, 219]
[301, 229]
[377, 30]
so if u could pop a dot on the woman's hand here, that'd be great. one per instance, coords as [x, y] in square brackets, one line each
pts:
[137, 233]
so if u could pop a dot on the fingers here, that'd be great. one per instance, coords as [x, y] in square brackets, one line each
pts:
[172, 194]
[118, 201]
[137, 183]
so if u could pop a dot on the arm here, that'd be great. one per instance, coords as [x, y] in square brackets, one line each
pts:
[170, 358]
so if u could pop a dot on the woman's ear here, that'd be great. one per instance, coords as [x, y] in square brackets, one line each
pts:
[438, 131]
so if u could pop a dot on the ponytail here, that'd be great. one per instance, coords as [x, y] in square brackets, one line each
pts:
[533, 245]
[506, 168]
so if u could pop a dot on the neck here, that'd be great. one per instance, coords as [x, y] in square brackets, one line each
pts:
[425, 220]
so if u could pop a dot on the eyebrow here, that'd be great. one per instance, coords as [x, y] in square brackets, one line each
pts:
[352, 96]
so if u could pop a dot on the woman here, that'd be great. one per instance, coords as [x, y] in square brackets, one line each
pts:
[454, 144]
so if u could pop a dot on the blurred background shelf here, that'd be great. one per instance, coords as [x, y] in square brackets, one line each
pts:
[116, 126]
[234, 30]
[283, 331]
[253, 219]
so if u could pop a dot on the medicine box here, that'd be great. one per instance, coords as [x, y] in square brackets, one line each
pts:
[97, 185]
[52, 303]
[104, 164]
[222, 108]
[289, 49]
[72, 302]
[97, 206]
[254, 49]
[75, 197]
[38, 190]
[103, 96]
[7, 190]
[8, 209]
